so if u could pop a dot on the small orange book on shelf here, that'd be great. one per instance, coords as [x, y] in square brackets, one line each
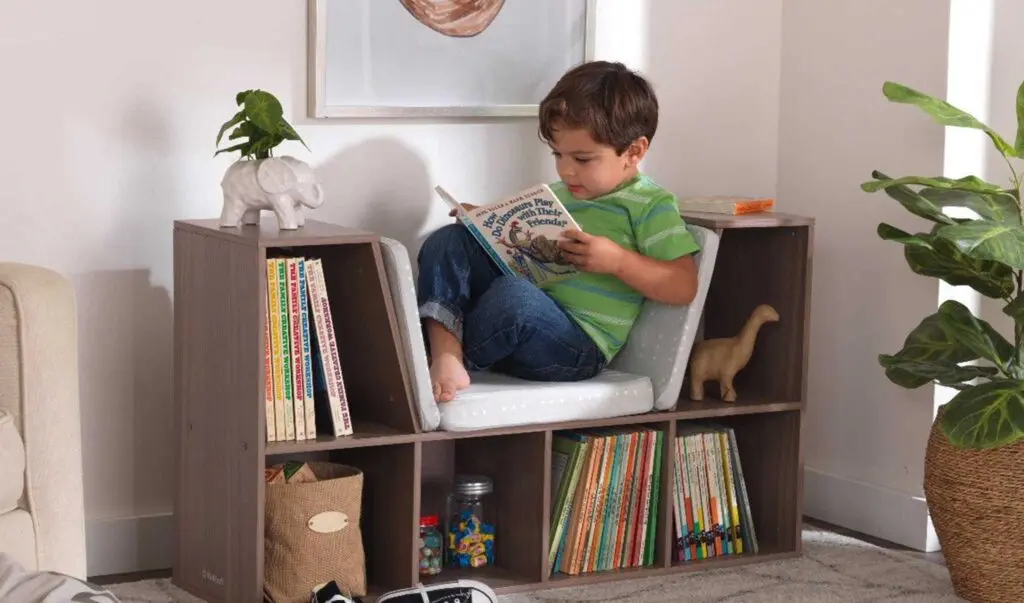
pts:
[304, 377]
[725, 204]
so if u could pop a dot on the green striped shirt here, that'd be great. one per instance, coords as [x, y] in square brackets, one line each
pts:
[640, 216]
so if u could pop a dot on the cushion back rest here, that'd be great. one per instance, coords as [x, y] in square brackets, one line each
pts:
[660, 341]
[402, 285]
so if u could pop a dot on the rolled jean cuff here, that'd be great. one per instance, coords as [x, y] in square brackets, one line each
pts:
[444, 315]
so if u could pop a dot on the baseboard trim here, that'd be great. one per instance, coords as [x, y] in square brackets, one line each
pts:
[129, 544]
[870, 509]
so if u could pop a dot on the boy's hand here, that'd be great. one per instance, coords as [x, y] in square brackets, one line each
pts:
[591, 253]
[465, 206]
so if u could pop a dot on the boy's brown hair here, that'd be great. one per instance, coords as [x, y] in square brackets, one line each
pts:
[615, 104]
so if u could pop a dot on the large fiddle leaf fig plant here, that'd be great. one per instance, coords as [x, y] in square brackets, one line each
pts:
[974, 237]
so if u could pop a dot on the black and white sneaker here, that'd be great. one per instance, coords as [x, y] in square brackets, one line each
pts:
[460, 591]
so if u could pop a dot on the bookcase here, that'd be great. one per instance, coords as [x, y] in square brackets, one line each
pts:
[220, 304]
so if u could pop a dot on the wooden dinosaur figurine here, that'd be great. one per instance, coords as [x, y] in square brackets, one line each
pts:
[720, 359]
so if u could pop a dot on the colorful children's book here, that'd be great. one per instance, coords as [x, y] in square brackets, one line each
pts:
[521, 233]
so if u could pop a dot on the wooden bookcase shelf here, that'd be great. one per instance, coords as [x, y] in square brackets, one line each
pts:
[220, 303]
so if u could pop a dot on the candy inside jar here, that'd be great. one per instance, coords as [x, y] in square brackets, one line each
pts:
[430, 546]
[470, 535]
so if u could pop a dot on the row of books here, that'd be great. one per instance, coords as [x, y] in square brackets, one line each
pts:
[709, 496]
[605, 485]
[303, 384]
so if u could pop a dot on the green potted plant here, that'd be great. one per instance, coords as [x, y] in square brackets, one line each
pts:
[974, 462]
[258, 180]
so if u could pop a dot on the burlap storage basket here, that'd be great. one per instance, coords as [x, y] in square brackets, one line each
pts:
[303, 545]
[976, 500]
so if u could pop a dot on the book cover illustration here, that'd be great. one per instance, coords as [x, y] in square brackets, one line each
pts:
[521, 233]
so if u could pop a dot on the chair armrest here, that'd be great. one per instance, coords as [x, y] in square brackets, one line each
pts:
[47, 407]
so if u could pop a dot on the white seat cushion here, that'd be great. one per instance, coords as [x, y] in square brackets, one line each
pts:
[496, 400]
[12, 469]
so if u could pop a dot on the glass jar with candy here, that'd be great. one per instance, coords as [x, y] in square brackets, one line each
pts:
[469, 531]
[430, 546]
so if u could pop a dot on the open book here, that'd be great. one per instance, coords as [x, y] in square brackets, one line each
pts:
[521, 233]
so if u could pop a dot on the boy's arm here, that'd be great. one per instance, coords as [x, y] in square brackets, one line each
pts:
[666, 281]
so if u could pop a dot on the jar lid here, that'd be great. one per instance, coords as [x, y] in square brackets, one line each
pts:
[428, 521]
[472, 485]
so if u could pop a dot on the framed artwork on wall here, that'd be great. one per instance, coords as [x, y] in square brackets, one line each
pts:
[442, 58]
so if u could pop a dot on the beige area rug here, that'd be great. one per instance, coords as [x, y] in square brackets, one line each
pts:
[832, 568]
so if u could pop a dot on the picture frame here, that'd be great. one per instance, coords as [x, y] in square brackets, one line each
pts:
[388, 92]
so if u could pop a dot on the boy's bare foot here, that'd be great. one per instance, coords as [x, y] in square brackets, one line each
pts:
[448, 376]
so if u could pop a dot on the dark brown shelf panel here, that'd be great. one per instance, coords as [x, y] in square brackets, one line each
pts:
[709, 409]
[769, 219]
[565, 580]
[267, 234]
[374, 434]
[367, 433]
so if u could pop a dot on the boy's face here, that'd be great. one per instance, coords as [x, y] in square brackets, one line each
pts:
[590, 169]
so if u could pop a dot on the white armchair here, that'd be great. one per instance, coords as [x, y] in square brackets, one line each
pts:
[42, 517]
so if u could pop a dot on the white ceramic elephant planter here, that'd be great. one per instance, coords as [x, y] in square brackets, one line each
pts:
[280, 184]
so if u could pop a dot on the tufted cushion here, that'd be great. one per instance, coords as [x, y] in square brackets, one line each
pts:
[495, 400]
[661, 338]
[12, 467]
[403, 290]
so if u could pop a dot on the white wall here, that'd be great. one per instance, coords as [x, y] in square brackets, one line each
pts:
[1004, 77]
[112, 110]
[865, 437]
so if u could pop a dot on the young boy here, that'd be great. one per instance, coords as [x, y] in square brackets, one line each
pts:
[598, 120]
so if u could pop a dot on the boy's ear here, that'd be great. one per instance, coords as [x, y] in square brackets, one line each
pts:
[636, 150]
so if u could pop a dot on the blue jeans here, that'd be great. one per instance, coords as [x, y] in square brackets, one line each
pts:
[505, 323]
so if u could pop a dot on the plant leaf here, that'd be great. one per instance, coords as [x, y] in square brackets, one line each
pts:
[915, 373]
[987, 241]
[243, 129]
[263, 110]
[986, 415]
[913, 202]
[289, 133]
[960, 325]
[237, 147]
[237, 118]
[1019, 144]
[889, 232]
[944, 113]
[928, 255]
[967, 183]
[927, 343]
[997, 207]
[240, 97]
[1015, 309]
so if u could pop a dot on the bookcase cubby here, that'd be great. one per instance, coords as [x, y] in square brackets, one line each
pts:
[220, 303]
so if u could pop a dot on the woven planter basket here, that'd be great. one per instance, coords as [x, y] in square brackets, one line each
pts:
[976, 501]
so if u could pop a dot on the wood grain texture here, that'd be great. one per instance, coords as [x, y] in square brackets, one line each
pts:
[762, 266]
[390, 512]
[772, 219]
[516, 466]
[665, 534]
[769, 447]
[267, 234]
[218, 339]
